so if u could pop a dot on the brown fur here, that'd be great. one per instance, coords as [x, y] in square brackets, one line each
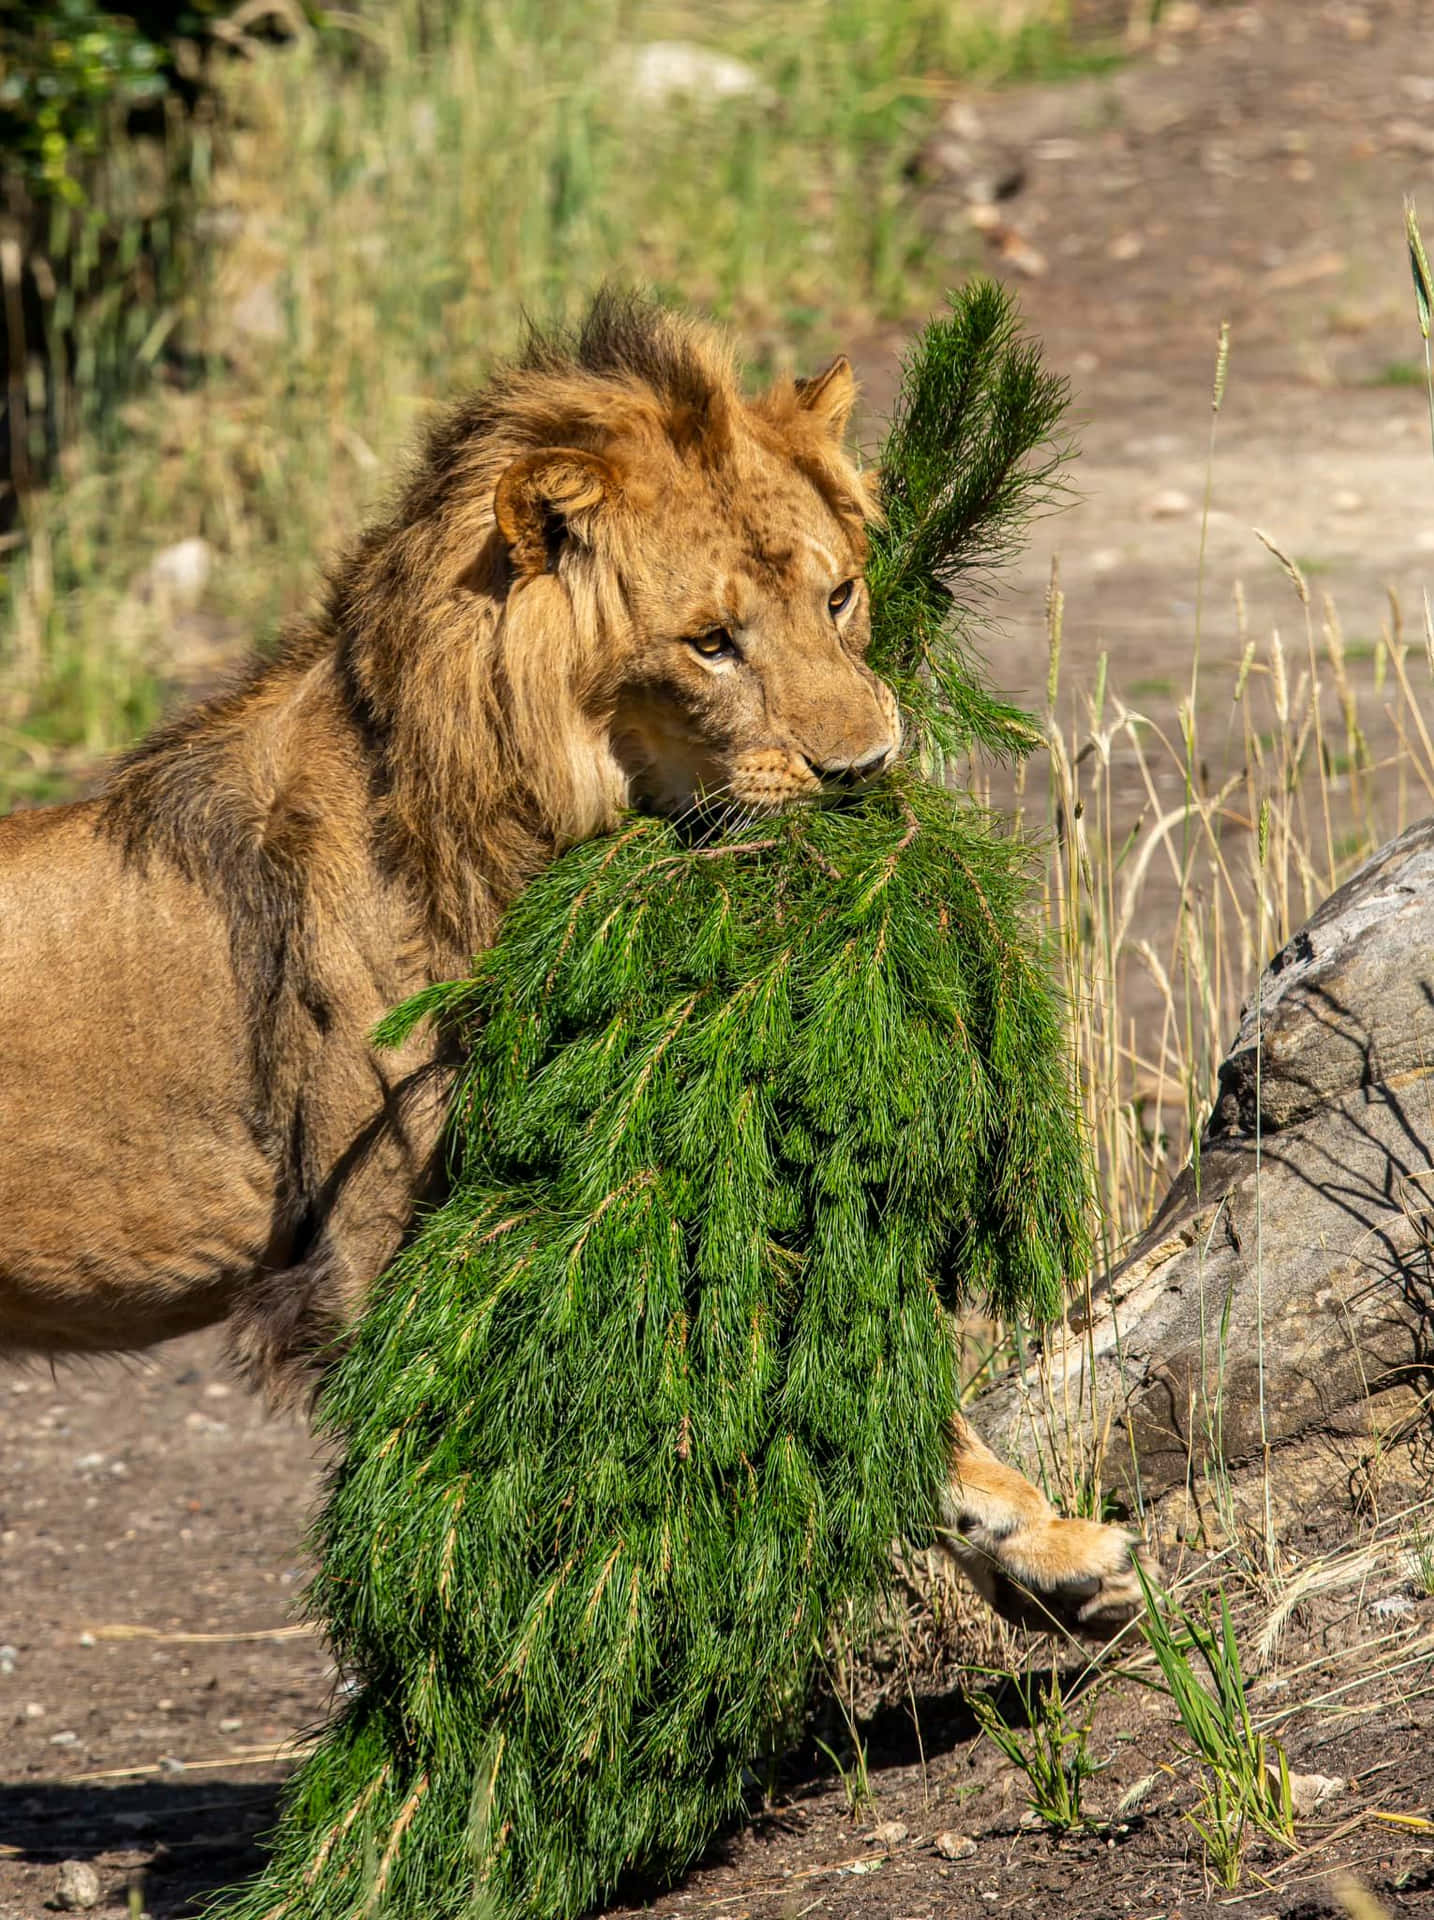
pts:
[197, 1126]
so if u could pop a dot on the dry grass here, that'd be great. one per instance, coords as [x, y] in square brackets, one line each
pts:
[1175, 911]
[1293, 762]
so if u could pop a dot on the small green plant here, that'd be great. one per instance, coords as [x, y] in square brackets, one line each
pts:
[1245, 1778]
[1399, 373]
[841, 1684]
[1052, 1750]
[1419, 1561]
[855, 1779]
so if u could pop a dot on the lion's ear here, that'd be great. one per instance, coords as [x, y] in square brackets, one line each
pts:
[546, 497]
[830, 395]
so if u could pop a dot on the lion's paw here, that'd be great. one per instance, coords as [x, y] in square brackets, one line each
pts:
[1076, 1576]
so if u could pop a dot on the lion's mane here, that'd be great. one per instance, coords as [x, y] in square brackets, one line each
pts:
[467, 706]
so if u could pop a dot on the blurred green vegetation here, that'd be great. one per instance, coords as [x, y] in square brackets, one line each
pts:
[264, 296]
[69, 73]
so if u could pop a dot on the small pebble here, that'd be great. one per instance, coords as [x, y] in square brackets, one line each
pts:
[64, 1739]
[954, 1846]
[8, 1657]
[201, 1423]
[1309, 1791]
[1392, 1606]
[179, 574]
[230, 1726]
[77, 1887]
[888, 1833]
[1168, 504]
[34, 1710]
[1017, 252]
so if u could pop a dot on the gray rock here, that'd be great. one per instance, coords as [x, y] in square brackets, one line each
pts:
[257, 314]
[1309, 1791]
[888, 1834]
[954, 1846]
[77, 1887]
[1283, 1294]
[179, 574]
[665, 71]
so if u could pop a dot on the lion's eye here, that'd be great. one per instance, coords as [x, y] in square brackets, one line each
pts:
[715, 644]
[839, 599]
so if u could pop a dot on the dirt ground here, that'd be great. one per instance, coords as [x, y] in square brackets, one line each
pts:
[1248, 168]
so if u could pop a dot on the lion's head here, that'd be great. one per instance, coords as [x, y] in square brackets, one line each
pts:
[711, 551]
[614, 581]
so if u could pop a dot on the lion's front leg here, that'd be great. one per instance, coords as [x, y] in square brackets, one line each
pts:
[1031, 1564]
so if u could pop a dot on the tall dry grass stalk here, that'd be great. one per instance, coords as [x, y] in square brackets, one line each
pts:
[1423, 298]
[1194, 898]
[1165, 914]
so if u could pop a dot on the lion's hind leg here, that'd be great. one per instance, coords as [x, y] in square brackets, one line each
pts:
[1031, 1564]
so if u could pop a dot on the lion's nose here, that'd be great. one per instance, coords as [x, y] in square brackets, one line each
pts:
[853, 773]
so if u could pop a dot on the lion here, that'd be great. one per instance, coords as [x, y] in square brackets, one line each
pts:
[612, 582]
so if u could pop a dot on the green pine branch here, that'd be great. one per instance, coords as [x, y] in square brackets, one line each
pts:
[641, 1409]
[973, 452]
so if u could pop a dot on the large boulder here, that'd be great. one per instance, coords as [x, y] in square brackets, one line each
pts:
[1279, 1310]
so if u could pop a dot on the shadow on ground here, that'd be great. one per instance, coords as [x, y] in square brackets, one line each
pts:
[189, 1838]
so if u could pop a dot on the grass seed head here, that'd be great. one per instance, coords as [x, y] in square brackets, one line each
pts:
[1419, 268]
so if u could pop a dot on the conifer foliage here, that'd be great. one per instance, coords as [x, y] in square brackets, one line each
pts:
[648, 1400]
[971, 453]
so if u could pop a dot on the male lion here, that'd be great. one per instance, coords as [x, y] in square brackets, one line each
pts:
[612, 582]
